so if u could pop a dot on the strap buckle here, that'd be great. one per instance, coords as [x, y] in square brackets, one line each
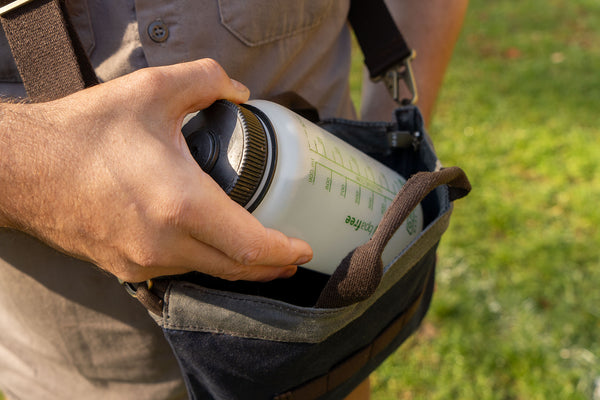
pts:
[12, 5]
[401, 72]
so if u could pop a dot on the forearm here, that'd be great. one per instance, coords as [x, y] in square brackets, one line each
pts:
[41, 161]
[431, 28]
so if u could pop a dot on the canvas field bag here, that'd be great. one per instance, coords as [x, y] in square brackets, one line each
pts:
[312, 336]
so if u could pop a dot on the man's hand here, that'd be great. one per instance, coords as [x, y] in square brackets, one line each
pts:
[105, 175]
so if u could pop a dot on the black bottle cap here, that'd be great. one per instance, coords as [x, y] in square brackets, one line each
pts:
[229, 143]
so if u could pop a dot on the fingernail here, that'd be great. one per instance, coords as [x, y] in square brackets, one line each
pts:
[303, 260]
[239, 86]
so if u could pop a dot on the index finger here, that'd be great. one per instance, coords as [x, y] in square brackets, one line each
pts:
[227, 226]
[197, 84]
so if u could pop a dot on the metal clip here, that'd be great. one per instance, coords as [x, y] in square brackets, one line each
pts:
[131, 288]
[13, 5]
[400, 139]
[401, 72]
[404, 139]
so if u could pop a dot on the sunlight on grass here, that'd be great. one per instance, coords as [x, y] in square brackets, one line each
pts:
[516, 314]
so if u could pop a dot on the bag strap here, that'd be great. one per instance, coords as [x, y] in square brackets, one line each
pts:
[48, 53]
[387, 55]
[380, 40]
[360, 272]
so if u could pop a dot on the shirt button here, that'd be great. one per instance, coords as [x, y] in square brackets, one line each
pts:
[158, 31]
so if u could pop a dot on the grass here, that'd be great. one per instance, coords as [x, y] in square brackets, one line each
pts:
[516, 313]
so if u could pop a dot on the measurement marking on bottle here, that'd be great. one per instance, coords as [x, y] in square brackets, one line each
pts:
[384, 207]
[320, 140]
[354, 167]
[385, 182]
[353, 161]
[331, 178]
[337, 153]
[370, 173]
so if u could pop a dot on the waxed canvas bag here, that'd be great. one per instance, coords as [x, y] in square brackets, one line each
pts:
[315, 336]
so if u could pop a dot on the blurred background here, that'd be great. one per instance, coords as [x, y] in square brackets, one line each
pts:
[516, 314]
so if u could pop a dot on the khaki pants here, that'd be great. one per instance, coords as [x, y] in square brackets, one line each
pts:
[71, 331]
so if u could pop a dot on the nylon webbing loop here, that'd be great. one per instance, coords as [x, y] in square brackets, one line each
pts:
[46, 48]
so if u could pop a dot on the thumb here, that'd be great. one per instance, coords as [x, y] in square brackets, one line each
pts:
[198, 84]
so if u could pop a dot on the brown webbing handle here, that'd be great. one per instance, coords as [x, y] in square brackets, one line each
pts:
[48, 53]
[359, 274]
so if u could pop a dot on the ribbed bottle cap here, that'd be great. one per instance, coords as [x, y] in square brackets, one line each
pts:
[230, 144]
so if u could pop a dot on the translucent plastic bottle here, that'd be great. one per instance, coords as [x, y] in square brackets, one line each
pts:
[298, 178]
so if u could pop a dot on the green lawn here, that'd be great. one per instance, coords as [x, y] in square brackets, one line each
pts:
[516, 314]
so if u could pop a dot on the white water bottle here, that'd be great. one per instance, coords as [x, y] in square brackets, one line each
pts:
[298, 178]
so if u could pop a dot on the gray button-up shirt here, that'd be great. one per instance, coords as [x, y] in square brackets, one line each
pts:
[270, 46]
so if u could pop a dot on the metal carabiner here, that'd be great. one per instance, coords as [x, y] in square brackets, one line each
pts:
[396, 74]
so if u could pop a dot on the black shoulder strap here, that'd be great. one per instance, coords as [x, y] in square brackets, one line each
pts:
[380, 40]
[387, 56]
[46, 48]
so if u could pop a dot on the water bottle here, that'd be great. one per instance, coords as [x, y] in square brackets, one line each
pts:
[296, 177]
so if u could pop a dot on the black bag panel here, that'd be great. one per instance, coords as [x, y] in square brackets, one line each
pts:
[226, 366]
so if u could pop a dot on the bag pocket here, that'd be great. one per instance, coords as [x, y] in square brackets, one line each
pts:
[254, 23]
